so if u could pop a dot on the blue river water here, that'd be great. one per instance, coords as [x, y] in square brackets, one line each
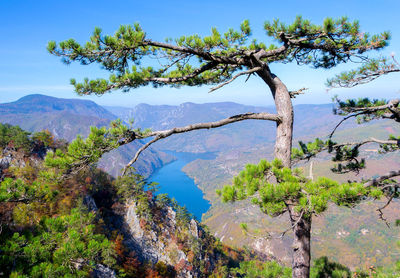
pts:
[178, 185]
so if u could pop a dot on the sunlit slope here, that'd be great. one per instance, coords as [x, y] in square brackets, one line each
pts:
[355, 237]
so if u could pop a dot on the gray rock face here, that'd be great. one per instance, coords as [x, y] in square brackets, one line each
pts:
[5, 162]
[159, 243]
[89, 202]
[102, 271]
[12, 158]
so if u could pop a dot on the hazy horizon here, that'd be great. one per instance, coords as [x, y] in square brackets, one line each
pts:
[178, 104]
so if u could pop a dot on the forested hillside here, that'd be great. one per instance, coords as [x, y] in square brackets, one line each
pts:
[58, 223]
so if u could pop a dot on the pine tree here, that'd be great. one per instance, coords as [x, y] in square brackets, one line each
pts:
[218, 60]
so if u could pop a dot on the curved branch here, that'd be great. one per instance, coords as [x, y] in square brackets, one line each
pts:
[380, 210]
[293, 225]
[250, 71]
[166, 133]
[128, 82]
[369, 71]
[145, 146]
[391, 106]
[378, 180]
[371, 140]
[197, 52]
[335, 146]
[344, 119]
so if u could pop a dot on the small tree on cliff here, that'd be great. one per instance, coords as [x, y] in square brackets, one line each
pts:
[218, 60]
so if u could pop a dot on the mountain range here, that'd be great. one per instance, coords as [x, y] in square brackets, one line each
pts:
[66, 118]
[310, 120]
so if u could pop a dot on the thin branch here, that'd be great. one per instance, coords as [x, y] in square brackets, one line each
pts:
[234, 77]
[390, 105]
[365, 78]
[281, 235]
[195, 73]
[311, 176]
[293, 94]
[195, 51]
[145, 146]
[292, 226]
[166, 133]
[336, 146]
[378, 180]
[344, 119]
[394, 60]
[381, 216]
[370, 140]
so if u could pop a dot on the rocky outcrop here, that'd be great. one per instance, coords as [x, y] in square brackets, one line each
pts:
[102, 271]
[182, 246]
[13, 158]
[5, 162]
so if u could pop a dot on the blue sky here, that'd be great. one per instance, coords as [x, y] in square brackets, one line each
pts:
[26, 26]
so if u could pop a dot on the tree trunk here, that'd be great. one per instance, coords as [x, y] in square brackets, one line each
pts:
[301, 245]
[283, 151]
[284, 109]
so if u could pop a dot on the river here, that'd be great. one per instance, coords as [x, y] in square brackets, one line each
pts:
[173, 181]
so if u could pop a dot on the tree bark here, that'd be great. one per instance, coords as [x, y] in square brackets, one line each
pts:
[284, 109]
[301, 245]
[284, 129]
[283, 150]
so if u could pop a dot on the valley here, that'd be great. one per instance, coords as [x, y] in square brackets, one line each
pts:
[362, 240]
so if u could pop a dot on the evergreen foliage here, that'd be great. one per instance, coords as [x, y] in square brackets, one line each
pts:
[255, 269]
[273, 187]
[65, 246]
[369, 71]
[14, 135]
[84, 152]
[49, 233]
[323, 268]
[193, 60]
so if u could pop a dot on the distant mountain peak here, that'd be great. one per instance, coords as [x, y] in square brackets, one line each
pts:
[35, 97]
[38, 103]
[46, 98]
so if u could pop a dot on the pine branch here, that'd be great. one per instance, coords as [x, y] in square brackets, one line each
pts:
[330, 146]
[166, 133]
[369, 71]
[392, 106]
